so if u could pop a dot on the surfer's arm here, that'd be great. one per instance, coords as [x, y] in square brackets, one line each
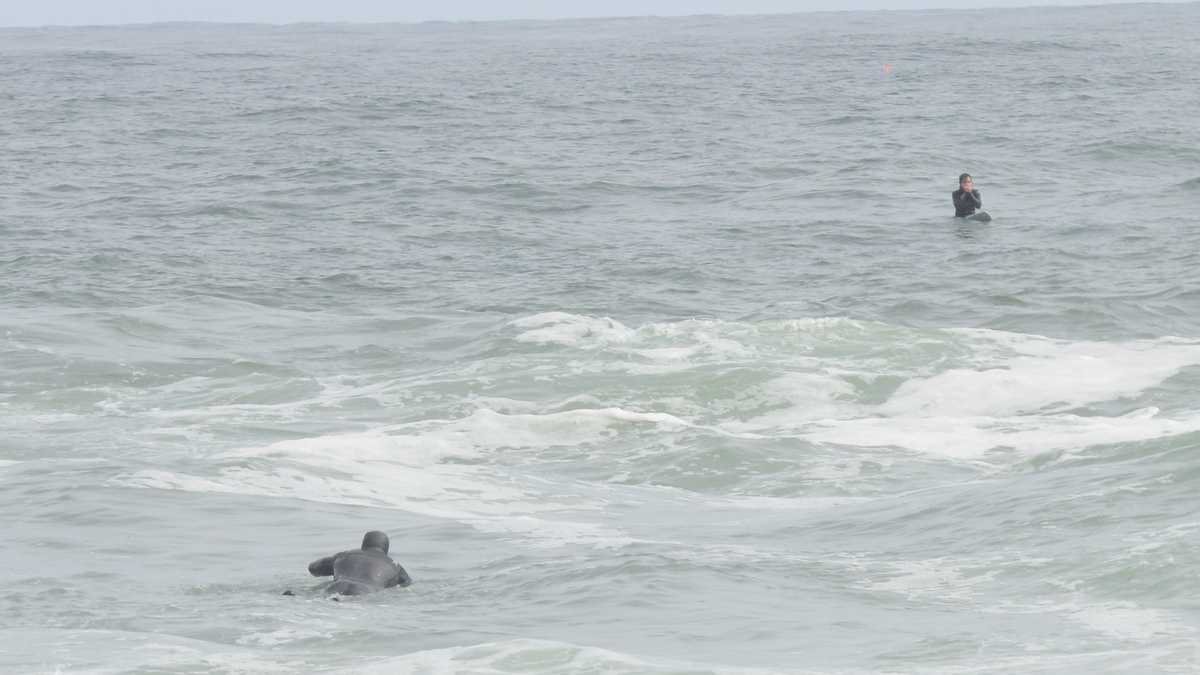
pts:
[967, 199]
[322, 567]
[401, 578]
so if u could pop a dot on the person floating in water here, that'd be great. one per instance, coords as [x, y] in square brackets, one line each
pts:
[966, 197]
[359, 572]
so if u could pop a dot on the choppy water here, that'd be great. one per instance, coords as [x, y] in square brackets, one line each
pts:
[652, 343]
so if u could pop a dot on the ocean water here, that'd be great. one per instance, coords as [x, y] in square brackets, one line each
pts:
[652, 343]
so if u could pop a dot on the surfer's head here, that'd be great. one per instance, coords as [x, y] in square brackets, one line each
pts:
[965, 182]
[375, 539]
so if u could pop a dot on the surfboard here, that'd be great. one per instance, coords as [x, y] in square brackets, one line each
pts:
[981, 216]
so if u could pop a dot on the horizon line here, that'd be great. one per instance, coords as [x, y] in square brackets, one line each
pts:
[419, 22]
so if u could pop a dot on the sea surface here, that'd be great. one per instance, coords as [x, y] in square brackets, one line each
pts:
[652, 343]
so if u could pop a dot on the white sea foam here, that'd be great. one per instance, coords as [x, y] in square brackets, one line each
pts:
[461, 493]
[283, 636]
[83, 651]
[1046, 662]
[1021, 393]
[806, 397]
[937, 578]
[572, 330]
[1040, 374]
[656, 342]
[404, 468]
[1128, 621]
[972, 437]
[796, 504]
[541, 657]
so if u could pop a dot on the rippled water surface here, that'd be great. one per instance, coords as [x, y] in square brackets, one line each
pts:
[652, 343]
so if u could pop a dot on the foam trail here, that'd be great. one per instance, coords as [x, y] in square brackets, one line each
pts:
[972, 437]
[408, 472]
[1043, 374]
[541, 657]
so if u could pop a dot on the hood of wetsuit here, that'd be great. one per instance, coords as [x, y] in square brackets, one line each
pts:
[375, 539]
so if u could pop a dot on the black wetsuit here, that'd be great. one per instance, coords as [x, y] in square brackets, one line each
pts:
[359, 572]
[965, 203]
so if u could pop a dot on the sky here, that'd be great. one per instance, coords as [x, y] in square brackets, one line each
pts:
[88, 12]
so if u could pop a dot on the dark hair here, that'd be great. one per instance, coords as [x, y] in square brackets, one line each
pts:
[964, 177]
[375, 539]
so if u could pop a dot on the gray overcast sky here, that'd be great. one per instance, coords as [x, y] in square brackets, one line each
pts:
[77, 12]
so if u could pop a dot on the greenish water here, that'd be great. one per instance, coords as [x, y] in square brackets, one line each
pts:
[650, 342]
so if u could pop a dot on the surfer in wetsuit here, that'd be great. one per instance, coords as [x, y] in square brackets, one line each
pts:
[362, 571]
[966, 198]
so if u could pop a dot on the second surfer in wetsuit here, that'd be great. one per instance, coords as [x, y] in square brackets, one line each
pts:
[966, 197]
[362, 571]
